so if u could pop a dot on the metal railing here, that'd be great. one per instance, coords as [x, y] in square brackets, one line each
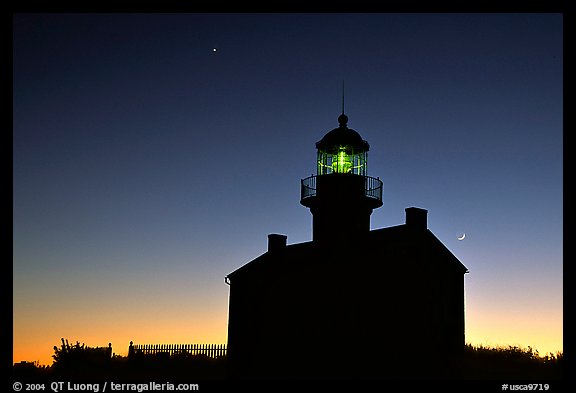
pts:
[308, 187]
[372, 187]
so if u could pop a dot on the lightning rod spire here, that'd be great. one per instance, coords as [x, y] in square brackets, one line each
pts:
[342, 119]
[342, 96]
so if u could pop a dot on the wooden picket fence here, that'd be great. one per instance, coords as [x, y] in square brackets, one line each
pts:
[210, 350]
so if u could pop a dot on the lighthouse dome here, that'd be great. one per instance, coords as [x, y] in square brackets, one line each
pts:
[342, 136]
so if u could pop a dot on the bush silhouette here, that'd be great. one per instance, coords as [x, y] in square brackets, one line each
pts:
[79, 359]
[509, 362]
[475, 363]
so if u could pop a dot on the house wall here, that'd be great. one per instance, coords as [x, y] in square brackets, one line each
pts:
[364, 312]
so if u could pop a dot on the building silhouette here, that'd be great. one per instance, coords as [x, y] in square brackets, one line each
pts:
[353, 302]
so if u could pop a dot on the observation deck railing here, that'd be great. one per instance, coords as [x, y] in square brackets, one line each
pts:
[372, 187]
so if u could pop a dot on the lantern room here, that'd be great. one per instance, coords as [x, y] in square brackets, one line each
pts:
[342, 150]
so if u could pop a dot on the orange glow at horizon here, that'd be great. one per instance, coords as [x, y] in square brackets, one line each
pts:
[32, 343]
[40, 347]
[544, 335]
[534, 323]
[37, 330]
[181, 311]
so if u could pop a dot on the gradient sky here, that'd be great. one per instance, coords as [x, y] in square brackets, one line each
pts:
[147, 165]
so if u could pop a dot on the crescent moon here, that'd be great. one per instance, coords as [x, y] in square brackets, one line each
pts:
[462, 237]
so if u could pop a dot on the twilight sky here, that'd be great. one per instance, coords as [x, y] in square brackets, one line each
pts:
[154, 153]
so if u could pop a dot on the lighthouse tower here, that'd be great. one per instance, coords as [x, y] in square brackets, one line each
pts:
[341, 196]
[353, 302]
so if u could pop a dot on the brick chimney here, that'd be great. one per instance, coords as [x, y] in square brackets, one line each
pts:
[276, 242]
[417, 218]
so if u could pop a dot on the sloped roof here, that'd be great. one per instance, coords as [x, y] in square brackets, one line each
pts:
[298, 257]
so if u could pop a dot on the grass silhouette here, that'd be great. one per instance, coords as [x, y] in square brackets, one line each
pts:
[477, 362]
[509, 362]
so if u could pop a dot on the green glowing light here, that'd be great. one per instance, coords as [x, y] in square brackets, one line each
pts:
[343, 162]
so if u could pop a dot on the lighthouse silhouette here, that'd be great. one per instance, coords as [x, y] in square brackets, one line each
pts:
[352, 302]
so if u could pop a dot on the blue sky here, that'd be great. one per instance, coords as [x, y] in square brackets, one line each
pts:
[147, 166]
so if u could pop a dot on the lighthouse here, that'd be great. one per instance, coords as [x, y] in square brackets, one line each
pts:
[353, 302]
[341, 196]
